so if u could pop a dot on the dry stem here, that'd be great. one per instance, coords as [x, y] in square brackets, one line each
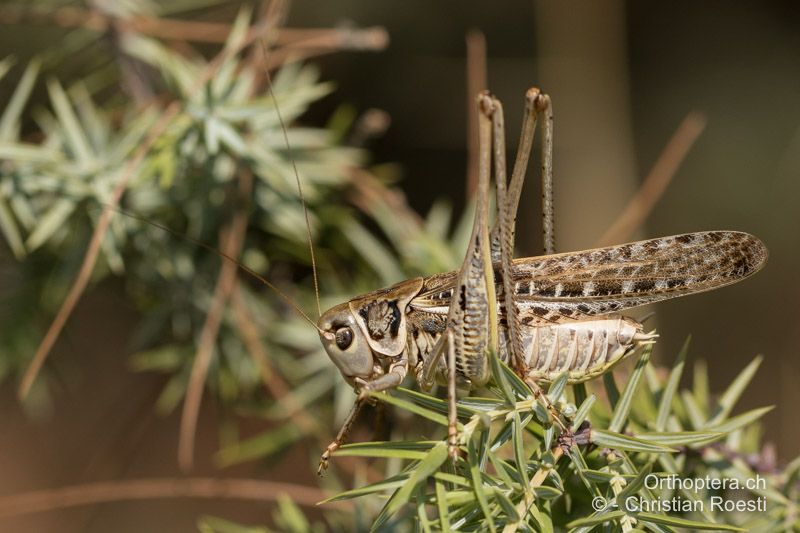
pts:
[369, 193]
[273, 382]
[189, 30]
[231, 246]
[147, 489]
[476, 82]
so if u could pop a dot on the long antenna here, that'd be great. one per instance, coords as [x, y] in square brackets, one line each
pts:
[222, 254]
[240, 265]
[299, 185]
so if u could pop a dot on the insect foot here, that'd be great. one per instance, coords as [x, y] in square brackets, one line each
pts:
[566, 440]
[324, 460]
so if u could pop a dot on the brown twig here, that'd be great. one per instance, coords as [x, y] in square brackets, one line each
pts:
[295, 43]
[656, 181]
[375, 38]
[272, 381]
[90, 258]
[370, 124]
[258, 54]
[189, 30]
[174, 29]
[148, 489]
[371, 38]
[369, 194]
[476, 82]
[231, 246]
[97, 21]
[279, 389]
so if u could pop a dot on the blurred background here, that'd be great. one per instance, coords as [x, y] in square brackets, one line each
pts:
[623, 77]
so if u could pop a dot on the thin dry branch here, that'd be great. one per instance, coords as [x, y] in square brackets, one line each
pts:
[375, 38]
[150, 489]
[656, 181]
[370, 38]
[90, 258]
[280, 390]
[186, 30]
[272, 381]
[258, 54]
[476, 82]
[231, 246]
[368, 192]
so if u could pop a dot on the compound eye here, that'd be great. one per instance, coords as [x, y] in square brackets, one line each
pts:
[344, 338]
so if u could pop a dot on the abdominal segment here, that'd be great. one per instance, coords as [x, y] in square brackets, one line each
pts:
[584, 348]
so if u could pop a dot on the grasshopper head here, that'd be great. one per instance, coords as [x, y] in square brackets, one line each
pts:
[345, 343]
[367, 330]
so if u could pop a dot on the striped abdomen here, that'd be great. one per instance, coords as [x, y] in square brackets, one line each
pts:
[585, 348]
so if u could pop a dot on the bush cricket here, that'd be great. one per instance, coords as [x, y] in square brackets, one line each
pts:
[541, 315]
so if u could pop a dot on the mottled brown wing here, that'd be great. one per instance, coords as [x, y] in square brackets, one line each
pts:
[607, 280]
[576, 285]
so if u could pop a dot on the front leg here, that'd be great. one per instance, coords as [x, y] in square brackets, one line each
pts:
[340, 437]
[426, 372]
[390, 380]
